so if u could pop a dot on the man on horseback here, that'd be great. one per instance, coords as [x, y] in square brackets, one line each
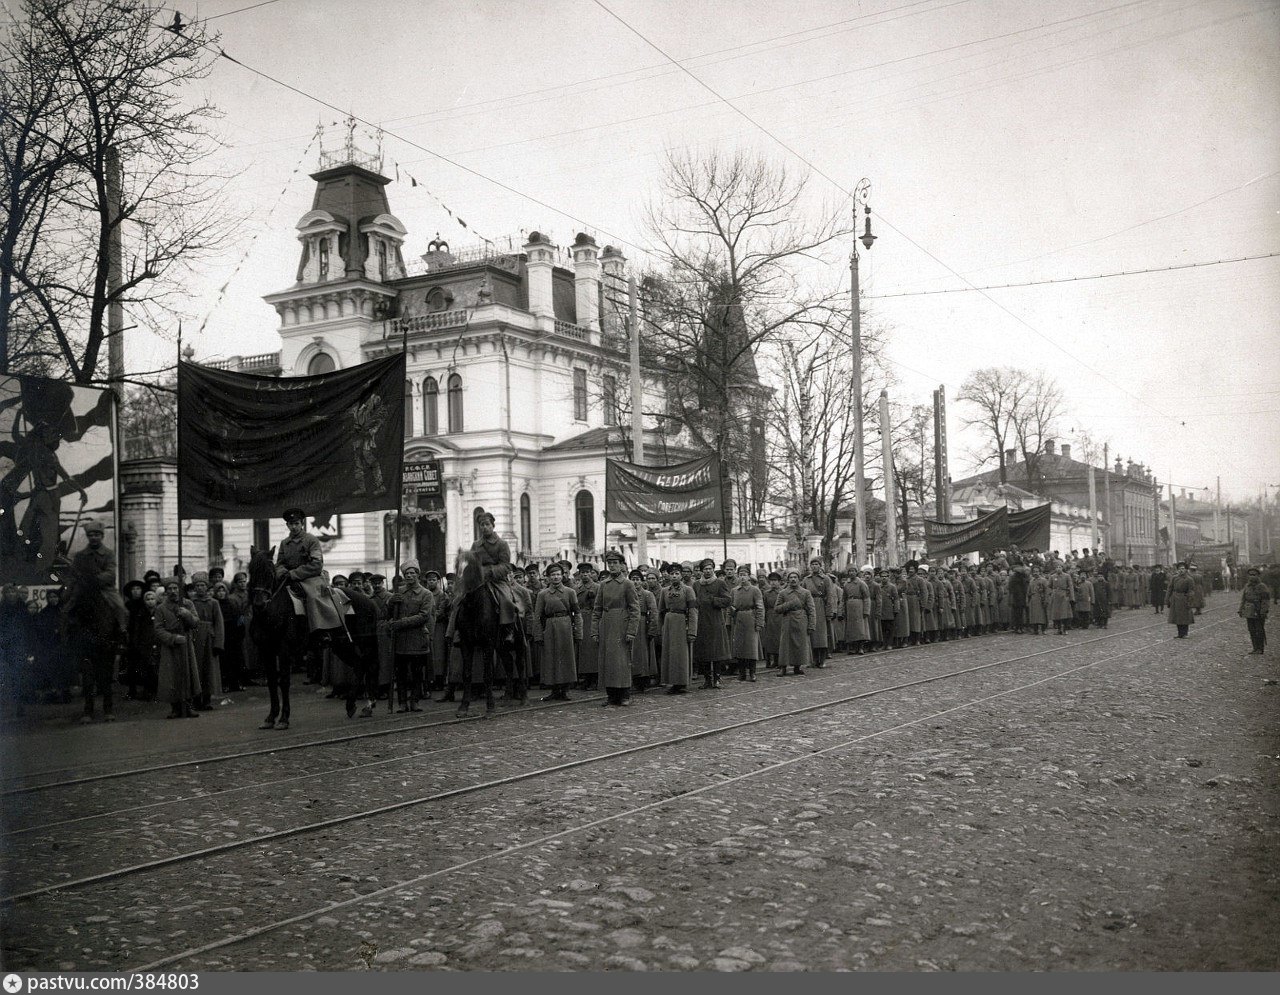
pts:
[494, 558]
[299, 562]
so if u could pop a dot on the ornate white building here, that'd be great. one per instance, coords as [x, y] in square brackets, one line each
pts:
[517, 364]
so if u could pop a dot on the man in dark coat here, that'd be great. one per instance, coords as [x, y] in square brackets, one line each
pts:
[1159, 586]
[1019, 578]
[1255, 605]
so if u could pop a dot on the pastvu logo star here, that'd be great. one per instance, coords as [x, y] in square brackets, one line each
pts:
[12, 984]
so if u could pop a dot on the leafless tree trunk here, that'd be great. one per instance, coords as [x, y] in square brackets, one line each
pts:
[85, 80]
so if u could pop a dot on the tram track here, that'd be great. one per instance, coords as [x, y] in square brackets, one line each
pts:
[872, 664]
[328, 909]
[545, 771]
[382, 732]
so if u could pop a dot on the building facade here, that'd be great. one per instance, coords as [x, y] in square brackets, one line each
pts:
[517, 379]
[1126, 495]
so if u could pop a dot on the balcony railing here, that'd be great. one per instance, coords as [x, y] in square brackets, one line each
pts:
[431, 322]
[572, 331]
[263, 362]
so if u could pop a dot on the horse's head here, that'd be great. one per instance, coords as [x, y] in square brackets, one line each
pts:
[262, 574]
[467, 568]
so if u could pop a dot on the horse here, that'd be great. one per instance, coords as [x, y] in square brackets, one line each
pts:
[281, 637]
[477, 628]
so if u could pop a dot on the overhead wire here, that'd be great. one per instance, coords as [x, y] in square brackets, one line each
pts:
[1074, 279]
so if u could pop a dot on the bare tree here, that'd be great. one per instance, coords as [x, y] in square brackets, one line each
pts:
[912, 461]
[100, 144]
[1035, 421]
[995, 393]
[149, 420]
[733, 234]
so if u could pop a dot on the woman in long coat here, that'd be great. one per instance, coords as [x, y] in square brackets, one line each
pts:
[799, 617]
[644, 662]
[748, 621]
[208, 640]
[712, 645]
[175, 621]
[616, 623]
[857, 605]
[557, 627]
[772, 632]
[1037, 602]
[1182, 591]
[679, 630]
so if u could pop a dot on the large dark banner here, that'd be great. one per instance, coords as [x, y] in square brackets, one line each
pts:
[1029, 528]
[681, 492]
[250, 446]
[1207, 556]
[57, 471]
[986, 534]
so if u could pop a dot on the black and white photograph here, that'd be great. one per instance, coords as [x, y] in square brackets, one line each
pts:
[640, 486]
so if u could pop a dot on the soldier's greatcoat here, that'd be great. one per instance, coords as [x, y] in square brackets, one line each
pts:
[679, 629]
[712, 643]
[557, 627]
[616, 621]
[799, 617]
[820, 587]
[857, 605]
[772, 624]
[1181, 601]
[748, 620]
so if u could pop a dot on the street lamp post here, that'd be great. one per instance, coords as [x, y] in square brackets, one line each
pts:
[860, 194]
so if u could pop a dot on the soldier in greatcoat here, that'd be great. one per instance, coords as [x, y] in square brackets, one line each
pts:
[747, 608]
[772, 632]
[888, 610]
[1255, 605]
[824, 593]
[207, 641]
[1062, 593]
[711, 649]
[1182, 591]
[1159, 585]
[557, 630]
[1037, 601]
[1199, 587]
[679, 607]
[588, 651]
[644, 667]
[799, 618]
[616, 622]
[928, 620]
[871, 577]
[857, 606]
[911, 595]
[1084, 598]
[1101, 599]
[412, 618]
[942, 607]
[1019, 579]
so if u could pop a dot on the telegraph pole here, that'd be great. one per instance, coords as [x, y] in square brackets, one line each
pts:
[941, 472]
[1173, 526]
[890, 513]
[637, 415]
[1093, 507]
[860, 195]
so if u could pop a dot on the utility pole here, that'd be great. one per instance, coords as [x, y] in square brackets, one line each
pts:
[1217, 505]
[890, 513]
[860, 195]
[941, 471]
[1093, 507]
[1106, 496]
[115, 253]
[1173, 526]
[637, 415]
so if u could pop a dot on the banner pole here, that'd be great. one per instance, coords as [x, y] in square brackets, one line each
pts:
[177, 453]
[404, 351]
[637, 414]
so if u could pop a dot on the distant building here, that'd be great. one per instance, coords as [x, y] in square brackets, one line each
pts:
[1128, 517]
[1225, 526]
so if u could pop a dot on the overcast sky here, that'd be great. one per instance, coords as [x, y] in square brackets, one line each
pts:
[1005, 141]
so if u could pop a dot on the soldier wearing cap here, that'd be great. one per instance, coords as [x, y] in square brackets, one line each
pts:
[615, 622]
[679, 607]
[557, 630]
[412, 613]
[207, 641]
[1255, 605]
[644, 662]
[825, 596]
[711, 648]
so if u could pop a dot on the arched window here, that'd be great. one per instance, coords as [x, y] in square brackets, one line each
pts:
[321, 362]
[408, 409]
[584, 514]
[455, 403]
[526, 524]
[430, 407]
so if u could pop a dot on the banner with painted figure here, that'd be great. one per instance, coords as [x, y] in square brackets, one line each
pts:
[57, 471]
[985, 534]
[681, 492]
[251, 446]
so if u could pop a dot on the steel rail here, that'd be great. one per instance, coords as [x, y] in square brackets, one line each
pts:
[458, 792]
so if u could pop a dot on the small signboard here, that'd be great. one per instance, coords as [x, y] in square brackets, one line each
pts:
[423, 477]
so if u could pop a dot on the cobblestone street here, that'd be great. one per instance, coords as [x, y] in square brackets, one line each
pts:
[1103, 800]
